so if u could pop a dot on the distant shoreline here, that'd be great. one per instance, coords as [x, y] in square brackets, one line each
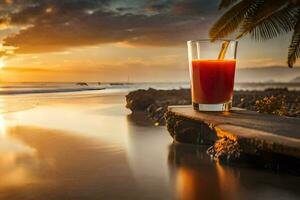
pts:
[42, 88]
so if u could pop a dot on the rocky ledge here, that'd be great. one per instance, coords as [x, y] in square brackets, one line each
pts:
[271, 101]
[240, 136]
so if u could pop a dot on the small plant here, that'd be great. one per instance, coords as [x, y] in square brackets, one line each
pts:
[225, 149]
[271, 105]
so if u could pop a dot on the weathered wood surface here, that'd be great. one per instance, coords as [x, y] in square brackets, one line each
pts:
[254, 132]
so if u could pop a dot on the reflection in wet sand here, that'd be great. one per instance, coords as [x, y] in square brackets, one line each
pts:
[197, 177]
[147, 150]
[62, 165]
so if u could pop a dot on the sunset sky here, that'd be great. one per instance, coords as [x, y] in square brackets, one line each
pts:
[111, 40]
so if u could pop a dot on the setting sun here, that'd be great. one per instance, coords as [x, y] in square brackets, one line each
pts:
[2, 64]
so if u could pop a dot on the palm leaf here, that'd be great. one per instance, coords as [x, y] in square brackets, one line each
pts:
[231, 20]
[226, 3]
[295, 2]
[263, 19]
[294, 48]
[270, 20]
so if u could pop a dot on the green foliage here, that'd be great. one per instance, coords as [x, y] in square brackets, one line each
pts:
[271, 105]
[262, 19]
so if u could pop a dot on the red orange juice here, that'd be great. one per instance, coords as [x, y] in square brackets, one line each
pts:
[212, 81]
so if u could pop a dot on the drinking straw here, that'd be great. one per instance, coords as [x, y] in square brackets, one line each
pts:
[223, 51]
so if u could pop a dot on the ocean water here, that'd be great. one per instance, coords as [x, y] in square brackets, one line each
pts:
[31, 88]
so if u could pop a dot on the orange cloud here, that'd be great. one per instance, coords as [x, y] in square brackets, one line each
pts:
[57, 25]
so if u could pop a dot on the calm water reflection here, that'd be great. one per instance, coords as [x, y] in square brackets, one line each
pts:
[198, 177]
[92, 148]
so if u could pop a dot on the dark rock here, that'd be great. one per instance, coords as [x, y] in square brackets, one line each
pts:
[156, 114]
[82, 84]
[140, 99]
[155, 102]
[189, 131]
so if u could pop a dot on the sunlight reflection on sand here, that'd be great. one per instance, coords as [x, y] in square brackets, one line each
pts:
[74, 148]
[61, 162]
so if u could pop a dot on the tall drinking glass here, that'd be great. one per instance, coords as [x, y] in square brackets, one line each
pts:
[212, 70]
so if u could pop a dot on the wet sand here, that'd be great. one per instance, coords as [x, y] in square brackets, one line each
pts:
[88, 146]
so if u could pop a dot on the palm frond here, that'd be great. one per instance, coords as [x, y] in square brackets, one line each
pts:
[262, 19]
[295, 2]
[270, 20]
[226, 3]
[231, 20]
[294, 48]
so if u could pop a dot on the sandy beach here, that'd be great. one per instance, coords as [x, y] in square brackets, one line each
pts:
[87, 145]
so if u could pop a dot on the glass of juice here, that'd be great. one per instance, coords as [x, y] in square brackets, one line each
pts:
[212, 70]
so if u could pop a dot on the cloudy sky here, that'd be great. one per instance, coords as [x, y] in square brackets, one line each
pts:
[113, 40]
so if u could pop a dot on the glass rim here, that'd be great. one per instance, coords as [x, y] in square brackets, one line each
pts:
[209, 40]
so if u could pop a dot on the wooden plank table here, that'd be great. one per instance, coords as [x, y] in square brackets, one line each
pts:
[255, 132]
